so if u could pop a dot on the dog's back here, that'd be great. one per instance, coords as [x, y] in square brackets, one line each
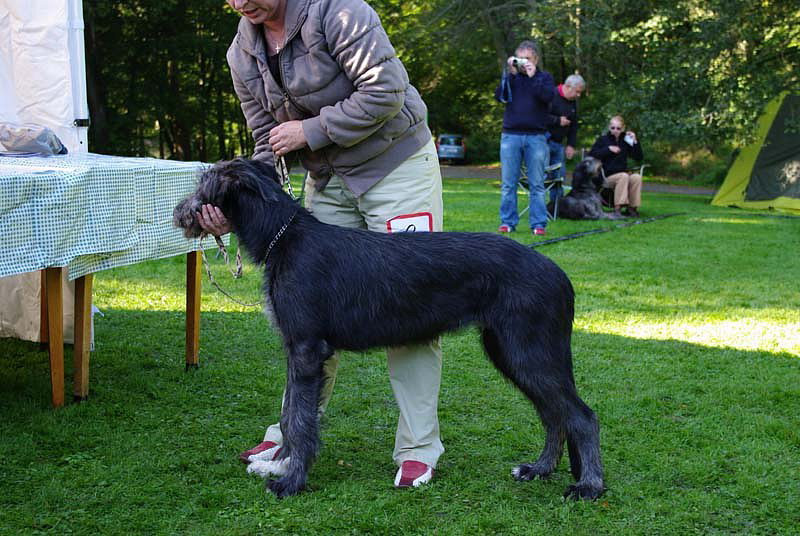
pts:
[444, 280]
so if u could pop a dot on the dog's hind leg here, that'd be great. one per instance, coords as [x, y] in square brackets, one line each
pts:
[583, 442]
[299, 421]
[579, 424]
[541, 368]
[554, 434]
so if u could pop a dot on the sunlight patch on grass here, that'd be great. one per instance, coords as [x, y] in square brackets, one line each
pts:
[736, 221]
[152, 296]
[746, 332]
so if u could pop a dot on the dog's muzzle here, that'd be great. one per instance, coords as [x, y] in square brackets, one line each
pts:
[185, 217]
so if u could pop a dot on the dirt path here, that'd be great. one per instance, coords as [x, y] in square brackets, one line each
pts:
[493, 173]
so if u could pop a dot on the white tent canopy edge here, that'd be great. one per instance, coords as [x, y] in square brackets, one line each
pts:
[43, 68]
[42, 82]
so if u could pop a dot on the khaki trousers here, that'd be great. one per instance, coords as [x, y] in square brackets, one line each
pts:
[414, 371]
[627, 189]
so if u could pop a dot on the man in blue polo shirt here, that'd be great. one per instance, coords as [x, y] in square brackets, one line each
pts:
[527, 92]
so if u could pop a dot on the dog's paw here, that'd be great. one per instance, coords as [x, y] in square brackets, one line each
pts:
[584, 491]
[264, 468]
[529, 471]
[284, 487]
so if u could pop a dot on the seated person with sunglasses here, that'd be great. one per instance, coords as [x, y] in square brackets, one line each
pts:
[612, 150]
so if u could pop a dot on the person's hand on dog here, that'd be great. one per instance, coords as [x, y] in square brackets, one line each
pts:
[213, 221]
[287, 137]
[614, 149]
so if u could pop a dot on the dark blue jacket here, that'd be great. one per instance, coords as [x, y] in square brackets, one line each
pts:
[561, 106]
[527, 110]
[615, 163]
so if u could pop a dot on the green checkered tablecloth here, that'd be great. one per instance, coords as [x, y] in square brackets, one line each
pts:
[91, 212]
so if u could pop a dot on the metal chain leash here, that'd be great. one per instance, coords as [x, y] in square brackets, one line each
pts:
[283, 173]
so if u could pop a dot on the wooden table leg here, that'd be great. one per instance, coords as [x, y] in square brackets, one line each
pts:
[44, 334]
[55, 325]
[193, 283]
[83, 336]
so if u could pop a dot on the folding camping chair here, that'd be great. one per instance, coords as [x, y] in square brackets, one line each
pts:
[607, 193]
[551, 180]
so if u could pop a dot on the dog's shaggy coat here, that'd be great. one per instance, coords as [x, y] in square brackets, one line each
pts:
[332, 288]
[583, 202]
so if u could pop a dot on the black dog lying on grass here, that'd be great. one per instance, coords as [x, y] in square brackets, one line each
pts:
[583, 202]
[332, 288]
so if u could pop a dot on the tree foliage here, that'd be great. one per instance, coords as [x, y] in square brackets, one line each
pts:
[686, 73]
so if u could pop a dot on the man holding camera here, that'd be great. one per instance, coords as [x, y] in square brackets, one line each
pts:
[527, 92]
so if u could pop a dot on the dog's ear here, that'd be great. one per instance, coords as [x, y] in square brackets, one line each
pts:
[265, 180]
[215, 184]
[266, 171]
[239, 175]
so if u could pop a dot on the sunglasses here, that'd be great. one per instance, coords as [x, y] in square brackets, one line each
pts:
[614, 128]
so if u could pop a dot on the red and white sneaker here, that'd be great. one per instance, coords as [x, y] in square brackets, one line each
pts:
[413, 474]
[539, 232]
[504, 229]
[266, 451]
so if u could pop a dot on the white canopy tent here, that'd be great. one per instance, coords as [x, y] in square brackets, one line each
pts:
[42, 82]
[42, 67]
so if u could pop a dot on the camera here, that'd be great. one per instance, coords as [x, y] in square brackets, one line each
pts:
[518, 63]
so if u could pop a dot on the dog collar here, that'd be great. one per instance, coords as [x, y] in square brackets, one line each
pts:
[278, 236]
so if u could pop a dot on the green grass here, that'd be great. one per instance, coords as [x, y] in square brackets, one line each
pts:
[686, 344]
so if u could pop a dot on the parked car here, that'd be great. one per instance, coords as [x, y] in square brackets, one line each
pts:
[451, 147]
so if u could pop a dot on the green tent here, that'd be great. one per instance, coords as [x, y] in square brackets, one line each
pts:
[766, 174]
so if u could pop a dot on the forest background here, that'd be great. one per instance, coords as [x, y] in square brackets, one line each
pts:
[690, 76]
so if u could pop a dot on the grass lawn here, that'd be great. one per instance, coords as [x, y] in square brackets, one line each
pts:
[686, 344]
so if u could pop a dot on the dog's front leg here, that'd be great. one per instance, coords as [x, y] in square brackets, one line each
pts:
[299, 422]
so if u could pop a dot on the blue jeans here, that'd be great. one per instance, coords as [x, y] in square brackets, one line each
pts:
[514, 148]
[557, 156]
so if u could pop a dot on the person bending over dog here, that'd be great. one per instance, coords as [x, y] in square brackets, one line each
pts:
[384, 289]
[331, 89]
[613, 150]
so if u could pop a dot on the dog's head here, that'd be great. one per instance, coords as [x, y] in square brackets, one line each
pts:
[227, 185]
[587, 175]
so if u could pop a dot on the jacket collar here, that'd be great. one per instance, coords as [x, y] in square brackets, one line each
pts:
[250, 36]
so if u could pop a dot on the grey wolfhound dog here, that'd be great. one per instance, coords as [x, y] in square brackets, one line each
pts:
[332, 288]
[583, 202]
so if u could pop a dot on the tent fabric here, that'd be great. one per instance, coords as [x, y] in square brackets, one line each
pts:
[36, 66]
[766, 174]
[42, 82]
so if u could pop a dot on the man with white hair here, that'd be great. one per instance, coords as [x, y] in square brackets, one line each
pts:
[564, 125]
